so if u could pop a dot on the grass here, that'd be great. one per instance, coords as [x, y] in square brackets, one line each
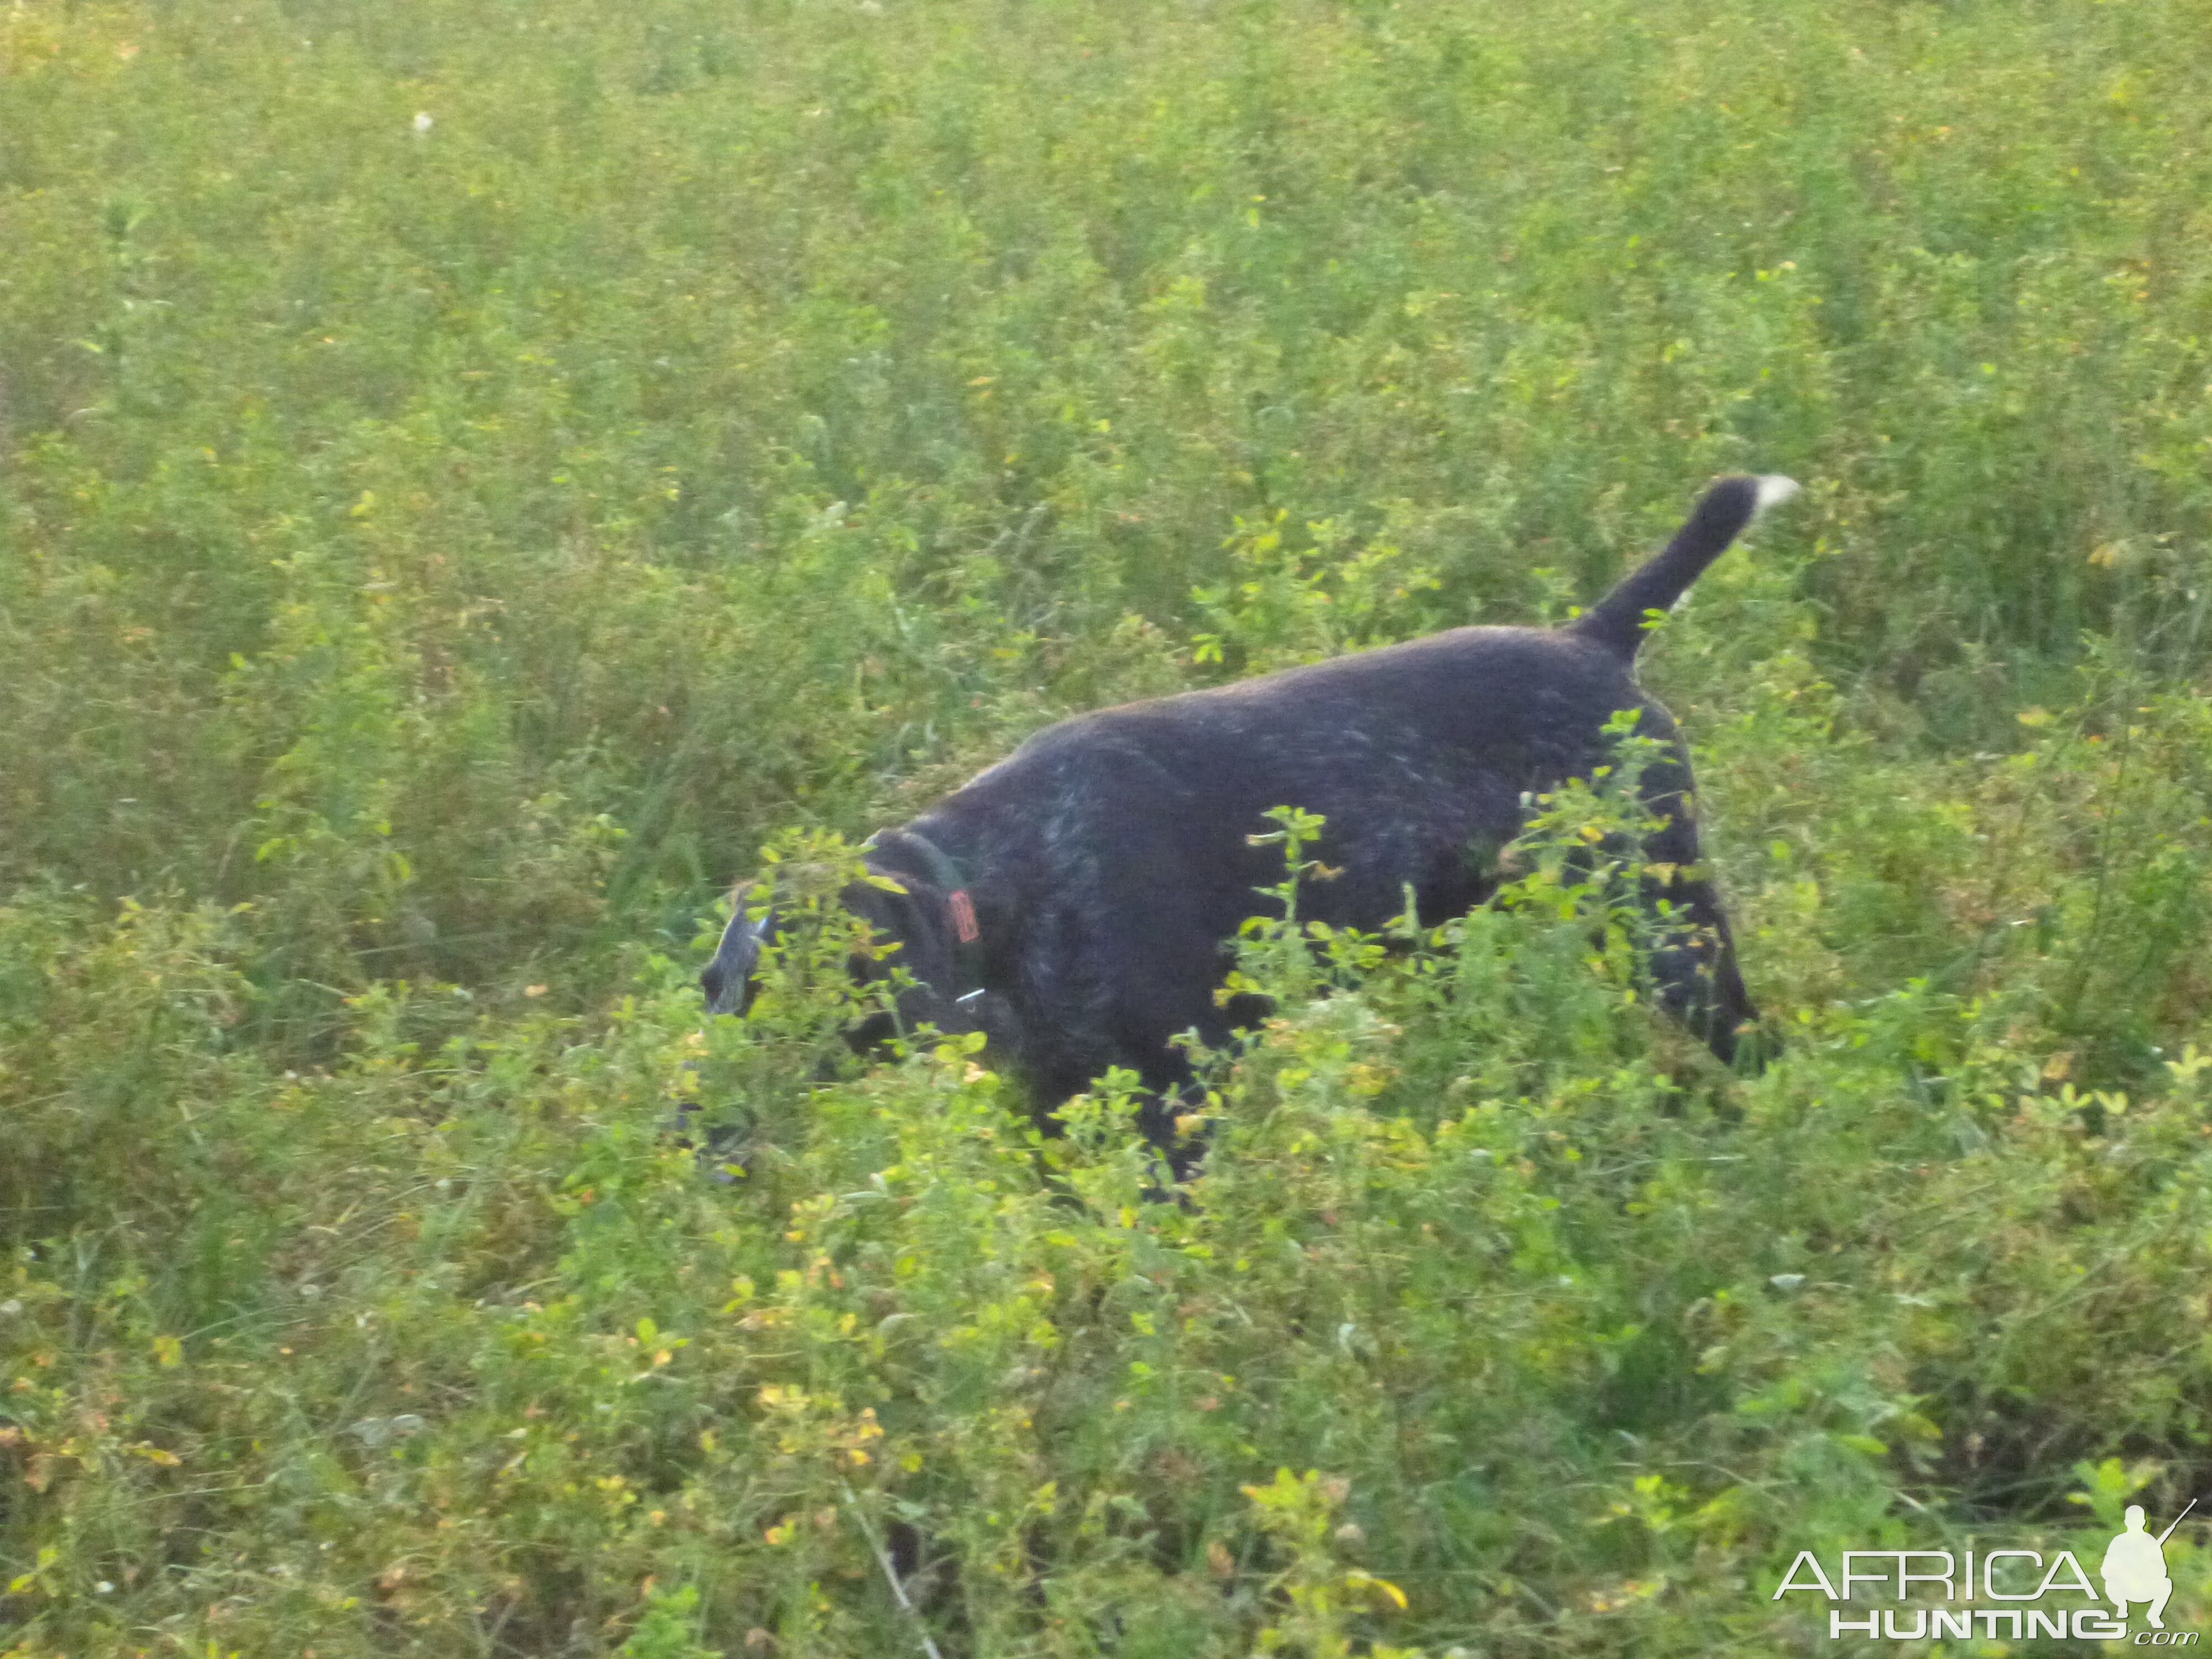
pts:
[436, 556]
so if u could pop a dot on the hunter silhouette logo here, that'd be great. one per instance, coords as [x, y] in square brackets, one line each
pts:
[2135, 1565]
[2006, 1593]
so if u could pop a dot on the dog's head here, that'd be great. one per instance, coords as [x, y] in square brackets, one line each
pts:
[913, 930]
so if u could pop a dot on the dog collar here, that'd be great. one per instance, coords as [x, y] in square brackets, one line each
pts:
[967, 934]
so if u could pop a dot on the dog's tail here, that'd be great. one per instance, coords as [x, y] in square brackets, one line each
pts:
[1616, 621]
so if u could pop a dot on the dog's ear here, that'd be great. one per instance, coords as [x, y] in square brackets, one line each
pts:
[909, 913]
[905, 913]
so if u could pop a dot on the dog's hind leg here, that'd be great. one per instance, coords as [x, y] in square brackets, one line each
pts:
[1690, 953]
[1692, 963]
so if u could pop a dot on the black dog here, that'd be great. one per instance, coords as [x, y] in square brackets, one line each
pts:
[1076, 900]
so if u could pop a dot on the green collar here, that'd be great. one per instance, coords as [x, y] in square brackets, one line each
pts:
[960, 910]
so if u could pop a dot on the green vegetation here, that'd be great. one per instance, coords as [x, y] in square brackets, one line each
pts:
[472, 474]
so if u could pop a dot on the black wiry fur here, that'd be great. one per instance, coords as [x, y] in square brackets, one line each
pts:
[1108, 861]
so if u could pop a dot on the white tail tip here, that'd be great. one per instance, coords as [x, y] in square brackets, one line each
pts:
[1774, 490]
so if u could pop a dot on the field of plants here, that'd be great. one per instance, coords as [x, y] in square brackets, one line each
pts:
[474, 475]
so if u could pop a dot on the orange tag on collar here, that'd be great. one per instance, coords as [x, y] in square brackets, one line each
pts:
[964, 917]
